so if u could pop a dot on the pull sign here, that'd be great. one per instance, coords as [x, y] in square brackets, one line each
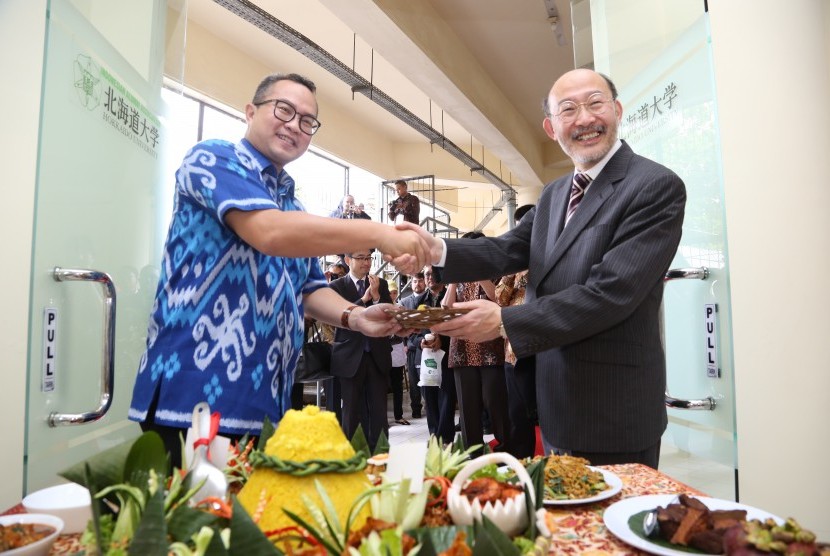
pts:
[50, 345]
[712, 369]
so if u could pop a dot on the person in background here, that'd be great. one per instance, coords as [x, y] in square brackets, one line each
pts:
[336, 270]
[412, 343]
[478, 368]
[406, 204]
[398, 365]
[596, 247]
[440, 401]
[331, 386]
[362, 364]
[240, 271]
[521, 377]
[345, 209]
[360, 212]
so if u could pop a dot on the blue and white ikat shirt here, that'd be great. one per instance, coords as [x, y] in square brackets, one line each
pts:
[227, 321]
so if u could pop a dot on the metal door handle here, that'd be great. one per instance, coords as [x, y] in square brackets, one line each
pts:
[707, 403]
[108, 356]
[701, 273]
[704, 404]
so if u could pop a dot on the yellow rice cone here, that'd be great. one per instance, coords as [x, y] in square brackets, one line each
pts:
[302, 436]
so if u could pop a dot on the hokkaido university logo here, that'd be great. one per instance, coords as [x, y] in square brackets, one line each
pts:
[88, 81]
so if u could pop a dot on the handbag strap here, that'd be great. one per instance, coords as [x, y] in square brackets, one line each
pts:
[316, 333]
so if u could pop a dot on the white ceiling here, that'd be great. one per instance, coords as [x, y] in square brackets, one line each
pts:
[476, 70]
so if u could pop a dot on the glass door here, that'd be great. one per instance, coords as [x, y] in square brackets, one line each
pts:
[658, 54]
[99, 219]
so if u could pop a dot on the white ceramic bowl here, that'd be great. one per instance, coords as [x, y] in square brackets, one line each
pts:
[70, 502]
[38, 548]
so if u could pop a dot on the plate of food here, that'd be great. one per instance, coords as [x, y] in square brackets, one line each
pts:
[570, 480]
[425, 317]
[625, 520]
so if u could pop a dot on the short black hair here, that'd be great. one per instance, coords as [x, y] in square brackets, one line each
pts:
[419, 275]
[521, 211]
[265, 84]
[473, 235]
[370, 250]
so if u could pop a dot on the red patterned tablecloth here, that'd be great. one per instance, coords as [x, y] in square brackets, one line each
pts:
[579, 529]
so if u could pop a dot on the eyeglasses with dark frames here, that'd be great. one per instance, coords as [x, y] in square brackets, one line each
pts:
[285, 112]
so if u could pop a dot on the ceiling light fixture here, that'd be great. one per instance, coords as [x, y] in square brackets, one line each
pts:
[555, 21]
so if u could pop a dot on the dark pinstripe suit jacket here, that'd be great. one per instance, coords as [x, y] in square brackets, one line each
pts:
[347, 349]
[592, 311]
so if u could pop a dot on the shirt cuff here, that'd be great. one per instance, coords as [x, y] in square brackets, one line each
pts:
[443, 260]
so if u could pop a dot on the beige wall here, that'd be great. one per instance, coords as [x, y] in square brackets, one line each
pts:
[22, 32]
[771, 64]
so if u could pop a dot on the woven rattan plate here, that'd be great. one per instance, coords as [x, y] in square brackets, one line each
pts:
[424, 318]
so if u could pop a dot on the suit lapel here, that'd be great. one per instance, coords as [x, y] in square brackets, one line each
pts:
[559, 203]
[598, 193]
[347, 288]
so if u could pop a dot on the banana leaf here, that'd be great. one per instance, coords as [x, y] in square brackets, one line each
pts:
[267, 432]
[186, 522]
[382, 447]
[434, 540]
[491, 541]
[246, 537]
[359, 442]
[96, 508]
[635, 523]
[485, 538]
[151, 535]
[536, 470]
[106, 468]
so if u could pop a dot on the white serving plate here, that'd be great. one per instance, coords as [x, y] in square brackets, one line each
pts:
[616, 518]
[611, 479]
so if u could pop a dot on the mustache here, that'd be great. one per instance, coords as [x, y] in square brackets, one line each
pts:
[598, 128]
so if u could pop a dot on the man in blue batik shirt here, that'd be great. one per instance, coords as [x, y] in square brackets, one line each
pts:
[239, 271]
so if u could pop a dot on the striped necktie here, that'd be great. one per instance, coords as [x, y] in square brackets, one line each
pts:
[361, 289]
[578, 187]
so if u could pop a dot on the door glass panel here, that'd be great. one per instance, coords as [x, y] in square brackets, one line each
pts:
[658, 55]
[98, 199]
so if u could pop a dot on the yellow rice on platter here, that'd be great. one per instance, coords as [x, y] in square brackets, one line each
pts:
[302, 436]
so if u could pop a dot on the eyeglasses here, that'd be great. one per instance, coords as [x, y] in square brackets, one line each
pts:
[361, 258]
[285, 112]
[596, 105]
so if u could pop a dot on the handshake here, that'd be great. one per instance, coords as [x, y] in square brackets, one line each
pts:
[409, 247]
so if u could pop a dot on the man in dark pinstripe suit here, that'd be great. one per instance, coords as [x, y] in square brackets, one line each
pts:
[591, 316]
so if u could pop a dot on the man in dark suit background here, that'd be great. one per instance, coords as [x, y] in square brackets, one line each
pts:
[596, 256]
[362, 364]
